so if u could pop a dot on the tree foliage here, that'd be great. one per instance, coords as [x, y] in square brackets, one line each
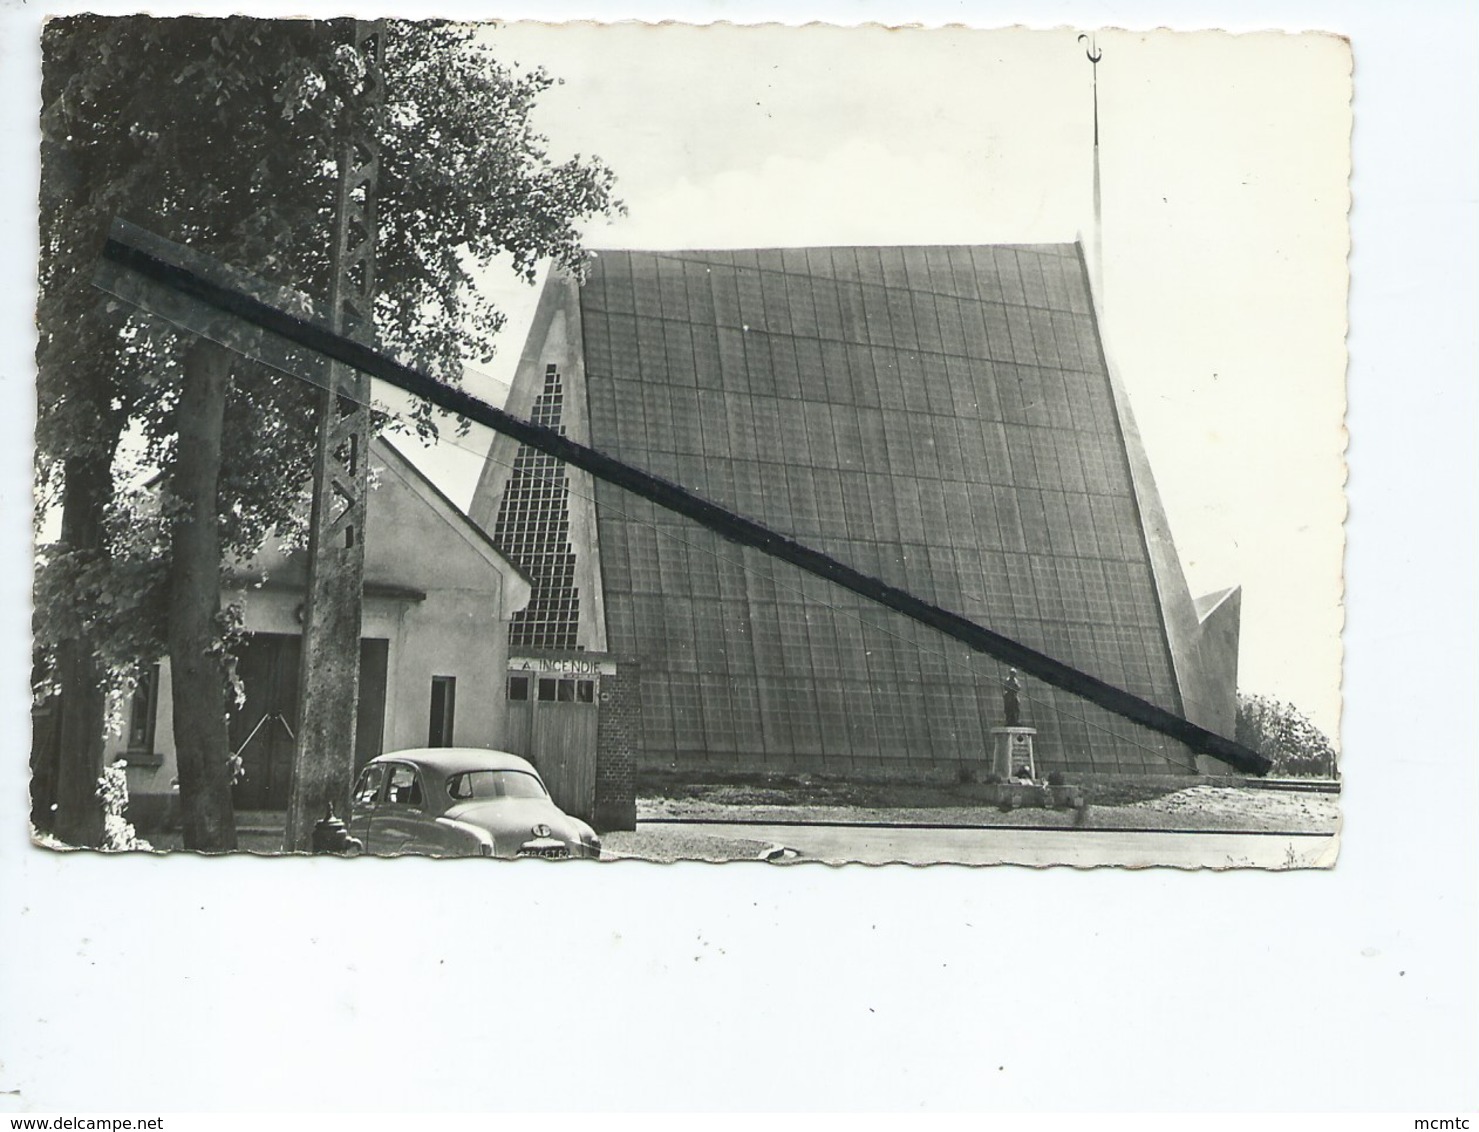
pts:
[224, 134]
[1271, 727]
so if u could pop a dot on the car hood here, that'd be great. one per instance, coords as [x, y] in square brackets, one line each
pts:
[513, 819]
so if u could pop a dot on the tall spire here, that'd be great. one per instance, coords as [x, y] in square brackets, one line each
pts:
[1094, 55]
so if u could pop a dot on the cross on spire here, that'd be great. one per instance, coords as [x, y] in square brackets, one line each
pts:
[1094, 55]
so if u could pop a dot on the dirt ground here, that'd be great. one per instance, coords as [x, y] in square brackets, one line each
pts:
[1211, 808]
[1254, 809]
[819, 790]
[671, 843]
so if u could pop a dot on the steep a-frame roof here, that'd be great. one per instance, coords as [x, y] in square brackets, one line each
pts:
[942, 418]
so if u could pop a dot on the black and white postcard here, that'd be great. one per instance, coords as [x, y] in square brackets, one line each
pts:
[919, 446]
[578, 564]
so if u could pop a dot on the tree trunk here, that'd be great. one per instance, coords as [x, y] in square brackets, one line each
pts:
[87, 488]
[197, 679]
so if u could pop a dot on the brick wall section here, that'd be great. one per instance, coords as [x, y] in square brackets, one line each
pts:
[618, 742]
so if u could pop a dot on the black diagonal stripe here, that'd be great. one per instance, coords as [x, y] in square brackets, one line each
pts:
[166, 265]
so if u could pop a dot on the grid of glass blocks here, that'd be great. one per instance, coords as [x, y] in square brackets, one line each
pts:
[940, 418]
[533, 525]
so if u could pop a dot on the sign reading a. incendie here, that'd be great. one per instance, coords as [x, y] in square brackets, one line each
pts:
[562, 665]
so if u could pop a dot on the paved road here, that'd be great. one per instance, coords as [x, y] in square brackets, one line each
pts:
[882, 845]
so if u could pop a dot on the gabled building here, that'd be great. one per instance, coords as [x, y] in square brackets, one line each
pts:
[438, 598]
[941, 418]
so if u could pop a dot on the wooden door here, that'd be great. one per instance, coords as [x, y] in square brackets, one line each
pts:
[518, 717]
[564, 746]
[519, 729]
[262, 729]
[550, 719]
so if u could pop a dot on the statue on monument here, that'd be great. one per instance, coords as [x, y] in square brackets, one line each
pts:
[1011, 700]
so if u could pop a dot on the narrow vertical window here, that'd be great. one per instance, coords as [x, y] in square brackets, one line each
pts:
[443, 709]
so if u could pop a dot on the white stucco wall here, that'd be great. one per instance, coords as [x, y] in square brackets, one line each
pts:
[436, 591]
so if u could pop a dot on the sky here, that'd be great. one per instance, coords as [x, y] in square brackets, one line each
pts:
[1224, 238]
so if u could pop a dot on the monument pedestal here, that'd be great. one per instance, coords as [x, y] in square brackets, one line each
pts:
[1011, 751]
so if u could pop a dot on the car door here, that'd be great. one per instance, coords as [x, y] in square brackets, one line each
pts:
[399, 823]
[364, 801]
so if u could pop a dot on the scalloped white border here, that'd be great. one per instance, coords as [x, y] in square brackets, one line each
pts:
[1366, 972]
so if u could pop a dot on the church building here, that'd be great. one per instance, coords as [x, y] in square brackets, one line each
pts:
[941, 418]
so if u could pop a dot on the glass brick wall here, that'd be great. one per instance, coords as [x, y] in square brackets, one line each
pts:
[938, 417]
[533, 527]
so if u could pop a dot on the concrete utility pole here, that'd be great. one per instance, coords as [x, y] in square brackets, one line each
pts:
[328, 685]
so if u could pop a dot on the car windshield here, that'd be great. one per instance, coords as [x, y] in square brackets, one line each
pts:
[482, 784]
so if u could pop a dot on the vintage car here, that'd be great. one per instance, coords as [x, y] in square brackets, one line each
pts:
[462, 802]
